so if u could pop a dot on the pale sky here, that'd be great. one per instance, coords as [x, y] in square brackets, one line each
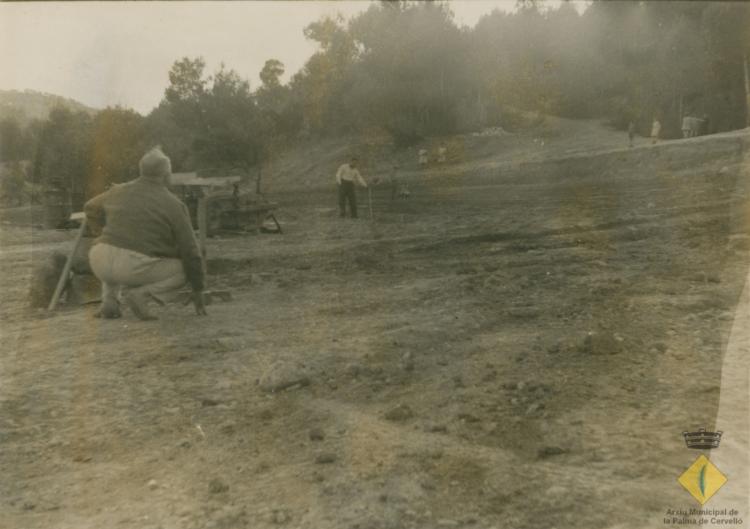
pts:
[119, 53]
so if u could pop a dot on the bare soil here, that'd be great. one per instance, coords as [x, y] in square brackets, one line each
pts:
[518, 350]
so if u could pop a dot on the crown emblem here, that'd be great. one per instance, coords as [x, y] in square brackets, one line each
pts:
[702, 440]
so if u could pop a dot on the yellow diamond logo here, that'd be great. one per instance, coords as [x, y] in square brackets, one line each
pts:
[702, 479]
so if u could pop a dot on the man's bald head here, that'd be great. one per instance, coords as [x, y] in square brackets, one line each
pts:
[156, 166]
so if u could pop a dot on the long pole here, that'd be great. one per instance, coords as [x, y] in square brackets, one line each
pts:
[202, 215]
[68, 265]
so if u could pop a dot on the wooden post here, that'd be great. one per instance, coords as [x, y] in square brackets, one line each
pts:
[68, 265]
[202, 229]
[747, 90]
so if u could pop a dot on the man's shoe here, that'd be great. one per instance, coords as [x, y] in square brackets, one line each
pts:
[138, 303]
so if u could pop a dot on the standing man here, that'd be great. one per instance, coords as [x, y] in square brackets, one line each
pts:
[442, 153]
[399, 188]
[394, 180]
[686, 127]
[655, 130]
[146, 245]
[346, 176]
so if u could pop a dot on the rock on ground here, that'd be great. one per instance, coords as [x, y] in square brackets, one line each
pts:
[282, 375]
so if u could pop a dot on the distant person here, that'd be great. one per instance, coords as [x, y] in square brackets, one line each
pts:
[394, 181]
[706, 125]
[346, 176]
[423, 159]
[631, 133]
[686, 126]
[398, 187]
[146, 245]
[442, 153]
[655, 131]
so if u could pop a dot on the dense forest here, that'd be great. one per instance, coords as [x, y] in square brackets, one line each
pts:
[406, 69]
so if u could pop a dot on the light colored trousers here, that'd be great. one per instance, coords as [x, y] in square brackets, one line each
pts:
[118, 268]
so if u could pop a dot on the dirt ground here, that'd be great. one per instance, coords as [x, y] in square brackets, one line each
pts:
[519, 351]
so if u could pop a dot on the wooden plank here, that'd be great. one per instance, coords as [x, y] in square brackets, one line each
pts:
[66, 270]
[192, 179]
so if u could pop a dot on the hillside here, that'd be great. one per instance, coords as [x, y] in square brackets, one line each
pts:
[29, 104]
[313, 164]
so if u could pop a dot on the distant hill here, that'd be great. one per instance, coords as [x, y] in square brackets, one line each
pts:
[27, 104]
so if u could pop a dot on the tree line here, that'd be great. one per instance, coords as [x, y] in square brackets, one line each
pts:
[409, 70]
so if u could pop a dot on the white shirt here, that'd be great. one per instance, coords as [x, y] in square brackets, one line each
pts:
[350, 174]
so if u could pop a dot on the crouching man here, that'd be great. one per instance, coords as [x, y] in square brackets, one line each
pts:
[146, 245]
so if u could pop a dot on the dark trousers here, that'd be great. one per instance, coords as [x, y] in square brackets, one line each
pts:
[347, 193]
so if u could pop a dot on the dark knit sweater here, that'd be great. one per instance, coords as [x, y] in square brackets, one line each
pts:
[143, 216]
